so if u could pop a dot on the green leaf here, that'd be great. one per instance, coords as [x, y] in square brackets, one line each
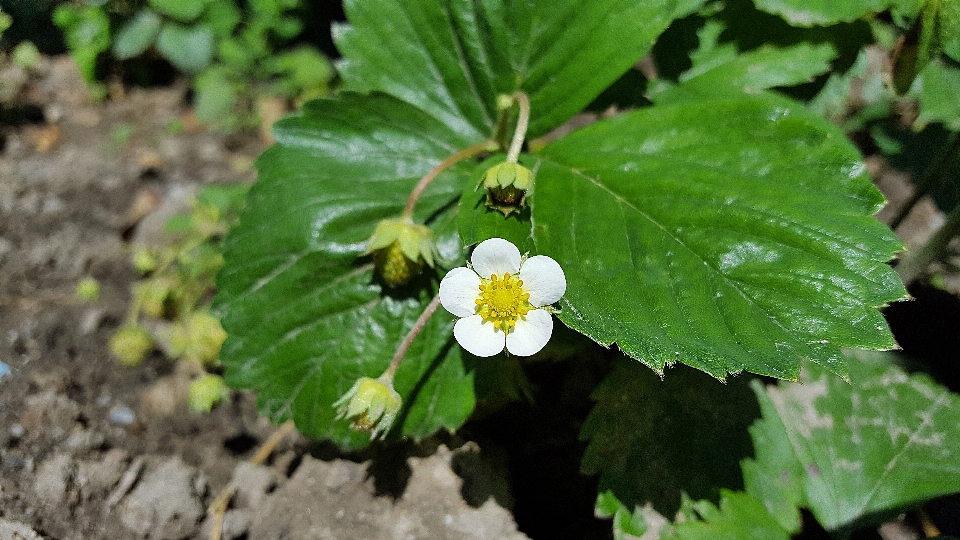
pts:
[189, 48]
[303, 311]
[727, 73]
[651, 439]
[136, 35]
[740, 237]
[222, 16]
[949, 23]
[562, 53]
[182, 10]
[822, 13]
[739, 517]
[853, 451]
[938, 87]
[216, 92]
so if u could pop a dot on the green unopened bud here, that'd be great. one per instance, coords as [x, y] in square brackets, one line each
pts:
[131, 344]
[152, 295]
[507, 185]
[371, 404]
[88, 289]
[197, 337]
[144, 260]
[400, 250]
[206, 391]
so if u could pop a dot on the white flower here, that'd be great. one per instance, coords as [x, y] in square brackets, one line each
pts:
[500, 299]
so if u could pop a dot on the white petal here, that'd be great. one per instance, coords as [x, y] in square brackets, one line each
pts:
[531, 333]
[477, 337]
[495, 256]
[543, 279]
[459, 290]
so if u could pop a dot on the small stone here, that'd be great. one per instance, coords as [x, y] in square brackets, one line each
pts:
[122, 415]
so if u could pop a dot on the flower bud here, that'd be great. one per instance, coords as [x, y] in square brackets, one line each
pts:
[131, 344]
[400, 250]
[206, 391]
[507, 185]
[198, 337]
[371, 404]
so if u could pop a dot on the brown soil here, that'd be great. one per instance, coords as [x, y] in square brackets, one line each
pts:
[93, 450]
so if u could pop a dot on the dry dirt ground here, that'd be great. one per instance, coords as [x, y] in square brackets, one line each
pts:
[94, 451]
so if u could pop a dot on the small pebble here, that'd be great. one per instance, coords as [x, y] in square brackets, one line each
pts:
[16, 431]
[121, 414]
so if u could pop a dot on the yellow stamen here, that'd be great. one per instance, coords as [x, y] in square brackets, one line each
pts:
[502, 301]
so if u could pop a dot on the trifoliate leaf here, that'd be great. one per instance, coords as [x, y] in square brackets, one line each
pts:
[452, 59]
[882, 442]
[304, 314]
[728, 235]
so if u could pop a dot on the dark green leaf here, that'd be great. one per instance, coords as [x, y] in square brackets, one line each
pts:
[189, 48]
[651, 439]
[848, 451]
[136, 35]
[452, 59]
[304, 313]
[728, 235]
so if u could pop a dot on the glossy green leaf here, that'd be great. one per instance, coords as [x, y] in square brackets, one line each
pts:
[452, 58]
[728, 235]
[738, 517]
[883, 442]
[304, 313]
[136, 35]
[823, 12]
[181, 10]
[189, 48]
[938, 88]
[652, 439]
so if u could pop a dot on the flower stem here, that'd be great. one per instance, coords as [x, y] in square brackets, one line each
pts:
[413, 333]
[442, 166]
[522, 123]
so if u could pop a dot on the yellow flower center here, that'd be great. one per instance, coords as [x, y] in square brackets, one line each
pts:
[502, 301]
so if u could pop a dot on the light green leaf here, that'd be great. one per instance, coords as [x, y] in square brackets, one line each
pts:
[304, 314]
[939, 87]
[739, 517]
[182, 10]
[879, 444]
[136, 35]
[189, 48]
[949, 23]
[728, 235]
[562, 53]
[822, 13]
[216, 92]
[751, 72]
[651, 439]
